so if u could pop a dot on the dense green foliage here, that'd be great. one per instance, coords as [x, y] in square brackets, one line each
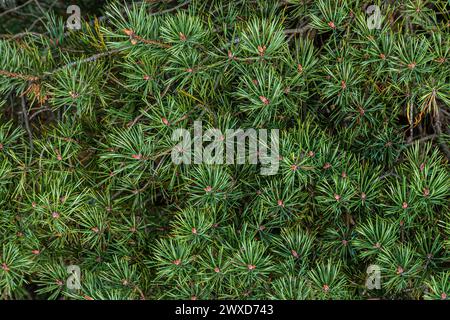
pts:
[87, 179]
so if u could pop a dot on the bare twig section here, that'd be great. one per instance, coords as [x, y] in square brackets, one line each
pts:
[438, 128]
[424, 139]
[18, 75]
[299, 30]
[171, 9]
[20, 35]
[135, 120]
[105, 18]
[135, 38]
[16, 8]
[89, 59]
[38, 112]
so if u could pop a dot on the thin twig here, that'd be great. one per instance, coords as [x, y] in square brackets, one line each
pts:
[18, 75]
[134, 37]
[438, 129]
[171, 9]
[429, 137]
[300, 30]
[89, 59]
[132, 123]
[16, 8]
[38, 112]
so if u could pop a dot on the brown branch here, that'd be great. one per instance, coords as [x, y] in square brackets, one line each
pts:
[89, 59]
[135, 38]
[16, 8]
[18, 75]
[429, 137]
[438, 128]
[38, 112]
[300, 30]
[171, 9]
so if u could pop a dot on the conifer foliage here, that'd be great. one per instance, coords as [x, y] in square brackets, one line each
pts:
[86, 171]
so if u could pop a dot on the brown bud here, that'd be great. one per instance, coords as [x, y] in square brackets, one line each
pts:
[182, 36]
[177, 262]
[128, 32]
[412, 65]
[264, 100]
[261, 50]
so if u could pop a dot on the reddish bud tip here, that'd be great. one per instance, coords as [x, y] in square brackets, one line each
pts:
[177, 262]
[264, 100]
[399, 270]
